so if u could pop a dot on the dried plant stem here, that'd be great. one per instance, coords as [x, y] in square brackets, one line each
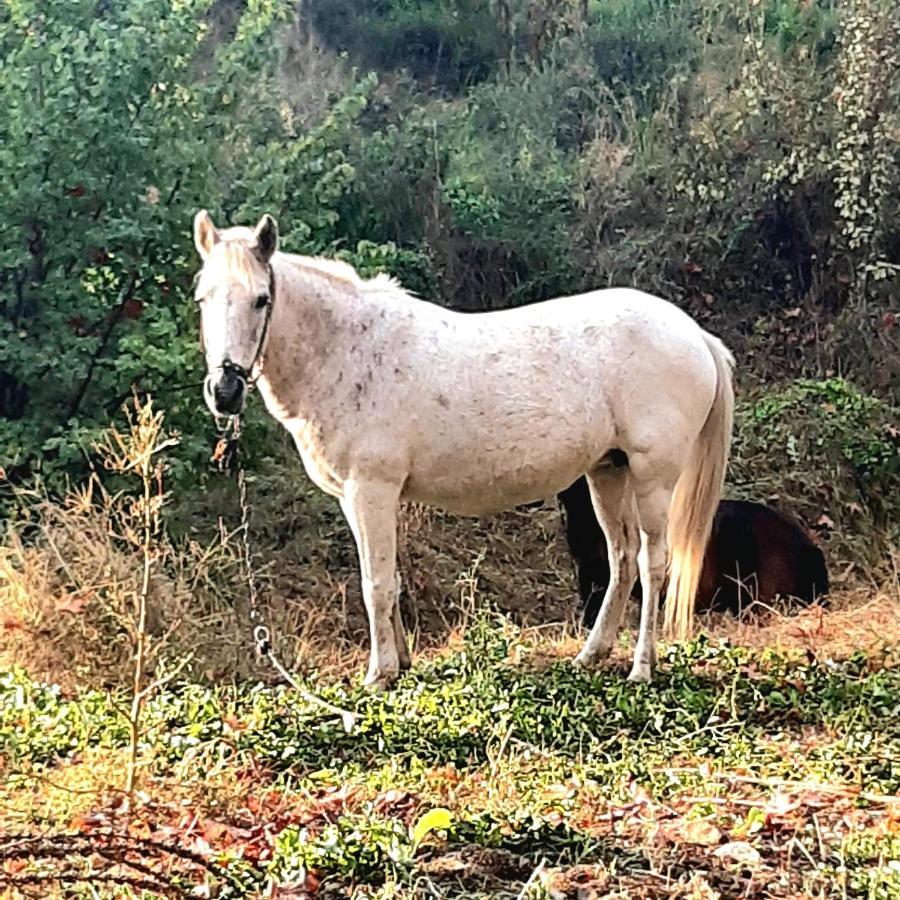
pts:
[140, 633]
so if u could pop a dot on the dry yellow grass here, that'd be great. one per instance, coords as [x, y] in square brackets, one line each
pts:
[65, 593]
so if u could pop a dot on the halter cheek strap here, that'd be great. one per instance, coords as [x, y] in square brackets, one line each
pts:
[257, 357]
[228, 366]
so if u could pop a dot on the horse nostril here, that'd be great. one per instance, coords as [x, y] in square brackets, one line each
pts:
[226, 393]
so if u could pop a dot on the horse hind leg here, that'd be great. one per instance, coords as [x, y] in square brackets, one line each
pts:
[654, 497]
[403, 654]
[613, 500]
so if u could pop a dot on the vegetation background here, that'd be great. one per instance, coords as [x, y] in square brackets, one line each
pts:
[741, 159]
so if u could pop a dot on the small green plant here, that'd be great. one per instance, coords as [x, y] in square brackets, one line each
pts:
[359, 848]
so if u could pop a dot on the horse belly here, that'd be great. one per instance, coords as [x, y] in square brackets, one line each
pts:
[478, 499]
[475, 481]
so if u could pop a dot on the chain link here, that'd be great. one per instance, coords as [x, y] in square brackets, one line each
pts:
[228, 453]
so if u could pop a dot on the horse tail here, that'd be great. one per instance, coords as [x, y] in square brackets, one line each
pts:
[696, 498]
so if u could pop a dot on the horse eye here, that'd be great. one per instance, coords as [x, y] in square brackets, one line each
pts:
[261, 301]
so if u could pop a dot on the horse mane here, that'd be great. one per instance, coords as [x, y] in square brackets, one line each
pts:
[238, 261]
[342, 271]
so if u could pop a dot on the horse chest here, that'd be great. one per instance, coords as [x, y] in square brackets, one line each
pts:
[325, 463]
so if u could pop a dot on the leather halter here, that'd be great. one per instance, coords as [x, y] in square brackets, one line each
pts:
[227, 365]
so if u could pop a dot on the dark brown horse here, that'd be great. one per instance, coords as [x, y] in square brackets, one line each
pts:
[754, 553]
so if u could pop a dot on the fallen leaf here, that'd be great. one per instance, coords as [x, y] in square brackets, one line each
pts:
[213, 831]
[14, 866]
[89, 822]
[399, 804]
[433, 820]
[691, 831]
[138, 828]
[701, 831]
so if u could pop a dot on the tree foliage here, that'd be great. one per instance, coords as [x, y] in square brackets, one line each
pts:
[121, 121]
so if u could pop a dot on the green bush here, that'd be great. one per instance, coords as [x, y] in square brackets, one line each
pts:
[449, 43]
[822, 447]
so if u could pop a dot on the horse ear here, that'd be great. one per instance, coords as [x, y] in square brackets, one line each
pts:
[266, 237]
[206, 236]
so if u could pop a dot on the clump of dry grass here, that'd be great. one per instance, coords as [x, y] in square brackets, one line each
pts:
[65, 598]
[66, 593]
[858, 617]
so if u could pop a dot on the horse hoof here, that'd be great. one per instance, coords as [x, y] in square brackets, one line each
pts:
[405, 663]
[379, 682]
[641, 674]
[591, 660]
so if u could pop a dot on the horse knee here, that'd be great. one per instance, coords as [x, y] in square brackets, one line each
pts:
[379, 593]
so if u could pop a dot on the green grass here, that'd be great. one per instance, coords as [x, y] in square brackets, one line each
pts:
[539, 766]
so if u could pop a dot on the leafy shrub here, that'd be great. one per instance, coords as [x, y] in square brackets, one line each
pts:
[452, 44]
[823, 447]
[122, 120]
[637, 46]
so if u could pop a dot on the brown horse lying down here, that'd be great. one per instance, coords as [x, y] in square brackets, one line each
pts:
[754, 553]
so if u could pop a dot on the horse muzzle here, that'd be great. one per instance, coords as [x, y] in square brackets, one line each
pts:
[225, 392]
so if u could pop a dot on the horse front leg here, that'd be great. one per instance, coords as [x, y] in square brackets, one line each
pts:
[371, 511]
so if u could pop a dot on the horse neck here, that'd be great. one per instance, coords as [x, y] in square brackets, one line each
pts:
[315, 322]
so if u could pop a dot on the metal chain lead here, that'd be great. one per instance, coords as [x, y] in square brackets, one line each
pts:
[262, 637]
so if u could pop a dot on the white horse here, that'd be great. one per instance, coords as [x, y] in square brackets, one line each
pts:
[390, 398]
